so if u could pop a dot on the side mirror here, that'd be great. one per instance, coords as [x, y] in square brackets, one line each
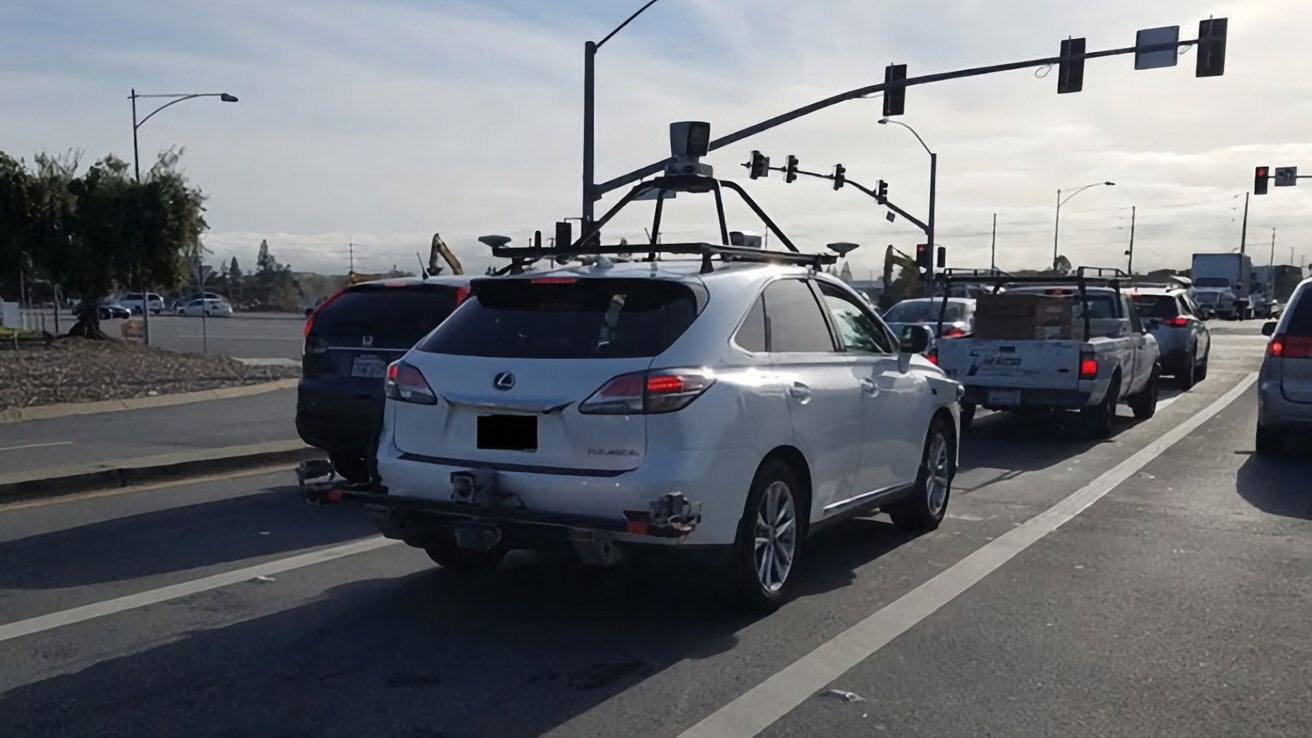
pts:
[916, 339]
[1269, 328]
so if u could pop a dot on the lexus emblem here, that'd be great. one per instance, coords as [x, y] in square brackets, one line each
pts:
[504, 381]
[366, 341]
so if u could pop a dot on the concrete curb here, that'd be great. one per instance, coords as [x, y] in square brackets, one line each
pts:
[44, 483]
[46, 412]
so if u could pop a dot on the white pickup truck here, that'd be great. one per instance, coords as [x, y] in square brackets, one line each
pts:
[1117, 362]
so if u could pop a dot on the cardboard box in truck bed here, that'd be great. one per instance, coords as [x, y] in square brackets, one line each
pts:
[1017, 317]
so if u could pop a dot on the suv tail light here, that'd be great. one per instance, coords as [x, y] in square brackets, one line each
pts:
[309, 321]
[1088, 366]
[1290, 347]
[952, 331]
[406, 384]
[657, 391]
[1178, 321]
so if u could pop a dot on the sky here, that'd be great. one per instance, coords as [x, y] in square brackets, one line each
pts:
[380, 122]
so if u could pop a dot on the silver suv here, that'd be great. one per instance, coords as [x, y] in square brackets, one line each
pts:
[1284, 387]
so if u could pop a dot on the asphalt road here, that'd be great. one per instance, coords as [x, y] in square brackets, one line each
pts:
[109, 437]
[1155, 583]
[244, 335]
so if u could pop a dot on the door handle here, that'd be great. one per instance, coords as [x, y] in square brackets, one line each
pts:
[869, 387]
[800, 391]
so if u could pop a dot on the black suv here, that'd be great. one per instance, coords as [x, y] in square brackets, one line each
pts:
[349, 341]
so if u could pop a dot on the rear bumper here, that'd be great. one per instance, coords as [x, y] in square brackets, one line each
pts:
[715, 482]
[1029, 398]
[337, 421]
[1176, 361]
[1277, 412]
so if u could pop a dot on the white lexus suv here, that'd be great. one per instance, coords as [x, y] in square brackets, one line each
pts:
[621, 407]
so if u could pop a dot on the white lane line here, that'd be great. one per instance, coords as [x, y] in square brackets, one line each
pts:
[37, 445]
[778, 695]
[41, 623]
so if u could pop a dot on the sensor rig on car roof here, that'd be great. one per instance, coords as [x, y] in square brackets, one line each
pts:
[685, 172]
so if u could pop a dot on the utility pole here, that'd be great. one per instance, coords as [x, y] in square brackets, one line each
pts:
[350, 246]
[1271, 276]
[993, 247]
[1129, 267]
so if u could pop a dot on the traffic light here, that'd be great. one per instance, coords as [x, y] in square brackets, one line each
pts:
[1260, 180]
[790, 171]
[840, 176]
[881, 192]
[924, 258]
[1070, 70]
[895, 89]
[759, 166]
[1211, 48]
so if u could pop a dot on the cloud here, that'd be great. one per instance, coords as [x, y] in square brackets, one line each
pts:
[381, 122]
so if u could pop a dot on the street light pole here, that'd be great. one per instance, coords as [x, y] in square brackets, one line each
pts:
[589, 118]
[1056, 224]
[173, 99]
[933, 190]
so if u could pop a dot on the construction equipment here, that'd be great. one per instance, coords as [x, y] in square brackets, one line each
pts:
[439, 248]
[893, 256]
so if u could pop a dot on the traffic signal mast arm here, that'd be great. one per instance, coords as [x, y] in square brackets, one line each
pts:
[873, 195]
[778, 120]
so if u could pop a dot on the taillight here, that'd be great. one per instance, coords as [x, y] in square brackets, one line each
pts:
[953, 331]
[1290, 347]
[1178, 321]
[659, 391]
[1276, 347]
[406, 384]
[462, 292]
[932, 355]
[1088, 366]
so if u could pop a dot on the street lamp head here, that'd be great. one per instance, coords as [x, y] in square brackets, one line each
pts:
[225, 97]
[1110, 184]
[883, 121]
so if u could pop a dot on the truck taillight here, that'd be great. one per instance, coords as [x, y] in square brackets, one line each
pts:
[932, 355]
[657, 391]
[1088, 366]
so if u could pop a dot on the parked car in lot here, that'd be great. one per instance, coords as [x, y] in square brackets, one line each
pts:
[1183, 338]
[958, 315]
[350, 338]
[1115, 360]
[112, 311]
[1284, 385]
[208, 307]
[135, 300]
[625, 409]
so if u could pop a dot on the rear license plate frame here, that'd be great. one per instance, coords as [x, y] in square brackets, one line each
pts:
[1004, 397]
[504, 432]
[374, 366]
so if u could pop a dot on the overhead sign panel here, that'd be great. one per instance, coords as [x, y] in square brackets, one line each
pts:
[1145, 57]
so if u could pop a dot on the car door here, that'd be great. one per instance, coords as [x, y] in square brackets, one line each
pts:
[894, 402]
[823, 387]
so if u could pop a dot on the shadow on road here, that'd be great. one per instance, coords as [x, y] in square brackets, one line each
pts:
[176, 539]
[1280, 485]
[1013, 443]
[428, 654]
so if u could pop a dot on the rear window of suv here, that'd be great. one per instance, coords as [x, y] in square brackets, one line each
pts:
[395, 317]
[567, 318]
[1155, 306]
[1300, 322]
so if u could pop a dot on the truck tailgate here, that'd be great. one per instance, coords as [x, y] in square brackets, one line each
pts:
[1015, 364]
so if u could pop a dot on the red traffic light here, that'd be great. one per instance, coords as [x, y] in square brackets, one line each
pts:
[1261, 171]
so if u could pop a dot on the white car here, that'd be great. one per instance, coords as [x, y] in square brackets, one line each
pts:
[625, 408]
[210, 307]
[133, 301]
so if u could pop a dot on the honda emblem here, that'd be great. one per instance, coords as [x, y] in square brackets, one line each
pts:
[366, 341]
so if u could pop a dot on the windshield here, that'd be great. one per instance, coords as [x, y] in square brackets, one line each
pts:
[1212, 282]
[924, 311]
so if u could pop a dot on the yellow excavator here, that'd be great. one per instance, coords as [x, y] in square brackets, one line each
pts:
[437, 250]
[894, 257]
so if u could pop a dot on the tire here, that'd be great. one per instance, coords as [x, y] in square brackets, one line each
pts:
[353, 469]
[1099, 417]
[773, 523]
[1185, 379]
[1269, 442]
[445, 553]
[928, 503]
[1144, 404]
[967, 414]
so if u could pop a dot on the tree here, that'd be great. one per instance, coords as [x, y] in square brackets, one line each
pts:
[16, 196]
[102, 229]
[265, 263]
[234, 279]
[1062, 266]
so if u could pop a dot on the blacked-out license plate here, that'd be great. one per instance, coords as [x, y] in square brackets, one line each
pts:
[508, 432]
